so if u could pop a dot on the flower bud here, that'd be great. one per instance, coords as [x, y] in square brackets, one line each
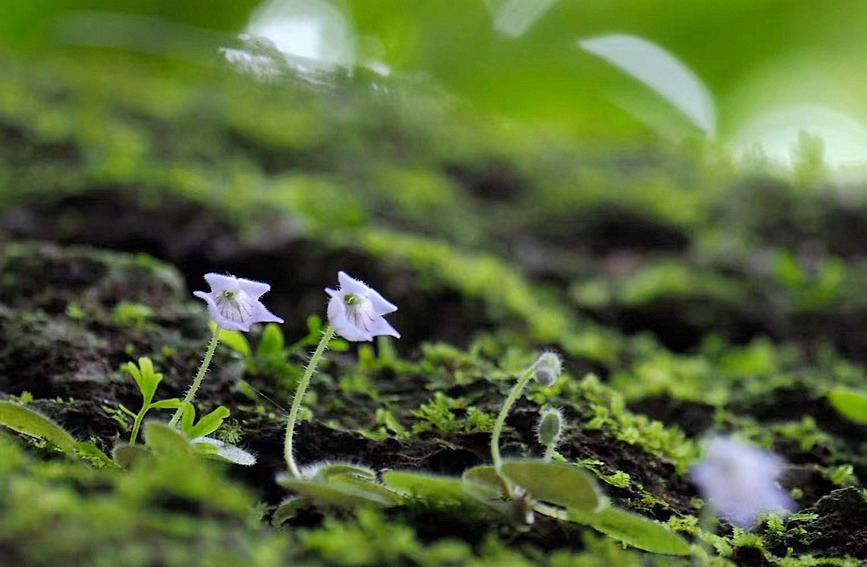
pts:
[550, 426]
[547, 368]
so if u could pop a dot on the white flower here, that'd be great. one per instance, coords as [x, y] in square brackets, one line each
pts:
[233, 303]
[739, 480]
[356, 311]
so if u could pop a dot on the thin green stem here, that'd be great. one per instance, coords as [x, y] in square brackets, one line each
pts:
[299, 395]
[137, 424]
[501, 419]
[197, 381]
[549, 452]
[706, 526]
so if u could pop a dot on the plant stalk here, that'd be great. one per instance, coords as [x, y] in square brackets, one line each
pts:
[299, 395]
[197, 381]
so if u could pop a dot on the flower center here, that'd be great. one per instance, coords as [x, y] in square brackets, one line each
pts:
[359, 311]
[235, 305]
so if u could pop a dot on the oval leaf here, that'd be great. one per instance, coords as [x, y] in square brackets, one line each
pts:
[634, 529]
[287, 510]
[851, 403]
[167, 440]
[329, 470]
[216, 449]
[485, 475]
[209, 423]
[336, 494]
[28, 422]
[438, 488]
[557, 483]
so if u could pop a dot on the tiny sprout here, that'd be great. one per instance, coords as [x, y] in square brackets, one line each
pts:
[550, 429]
[548, 368]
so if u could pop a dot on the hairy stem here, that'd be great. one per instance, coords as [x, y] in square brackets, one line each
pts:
[501, 419]
[299, 395]
[197, 381]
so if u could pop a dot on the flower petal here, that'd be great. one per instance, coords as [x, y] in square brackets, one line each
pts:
[382, 327]
[220, 282]
[348, 284]
[380, 305]
[253, 288]
[217, 317]
[262, 315]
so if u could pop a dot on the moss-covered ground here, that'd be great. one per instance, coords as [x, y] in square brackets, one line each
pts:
[686, 295]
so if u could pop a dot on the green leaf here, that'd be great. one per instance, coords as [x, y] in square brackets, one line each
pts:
[336, 494]
[93, 454]
[851, 403]
[272, 342]
[634, 529]
[209, 423]
[330, 470]
[127, 455]
[145, 376]
[558, 483]
[287, 510]
[438, 488]
[171, 403]
[216, 449]
[187, 418]
[28, 422]
[485, 475]
[167, 440]
[236, 341]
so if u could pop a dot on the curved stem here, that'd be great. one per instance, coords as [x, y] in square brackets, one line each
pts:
[137, 423]
[299, 395]
[197, 381]
[501, 419]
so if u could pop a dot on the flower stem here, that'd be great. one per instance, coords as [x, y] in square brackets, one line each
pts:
[137, 423]
[549, 452]
[501, 419]
[197, 381]
[299, 395]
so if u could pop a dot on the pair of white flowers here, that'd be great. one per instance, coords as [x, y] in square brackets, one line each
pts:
[355, 310]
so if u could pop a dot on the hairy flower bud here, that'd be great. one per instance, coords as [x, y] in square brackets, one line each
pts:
[550, 426]
[548, 368]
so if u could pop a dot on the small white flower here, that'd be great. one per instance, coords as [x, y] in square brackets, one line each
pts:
[233, 303]
[356, 311]
[739, 480]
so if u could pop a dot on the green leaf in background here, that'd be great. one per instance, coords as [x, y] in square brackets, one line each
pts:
[272, 342]
[145, 376]
[850, 403]
[209, 423]
[336, 494]
[330, 470]
[634, 529]
[439, 488]
[234, 340]
[28, 422]
[557, 483]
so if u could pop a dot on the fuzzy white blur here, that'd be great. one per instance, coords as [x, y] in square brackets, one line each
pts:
[233, 303]
[740, 481]
[356, 311]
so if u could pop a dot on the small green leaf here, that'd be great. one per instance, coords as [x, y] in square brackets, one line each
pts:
[287, 510]
[336, 494]
[171, 403]
[209, 423]
[145, 376]
[187, 418]
[438, 488]
[93, 454]
[127, 455]
[558, 483]
[236, 341]
[167, 440]
[272, 343]
[216, 449]
[28, 422]
[634, 529]
[851, 403]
